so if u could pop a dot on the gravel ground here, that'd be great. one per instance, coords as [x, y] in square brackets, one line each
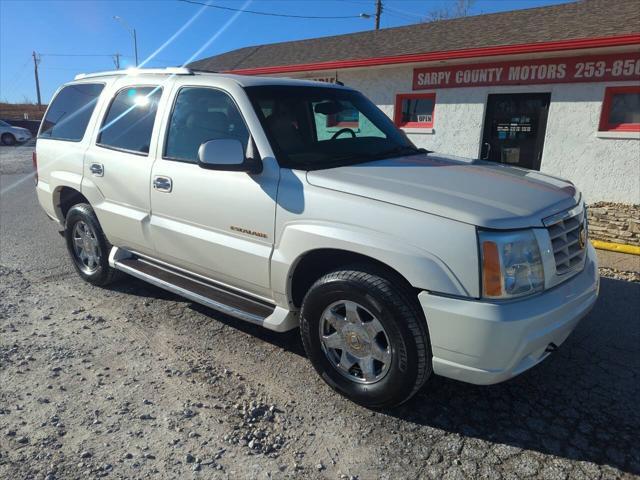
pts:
[133, 382]
[15, 160]
[620, 274]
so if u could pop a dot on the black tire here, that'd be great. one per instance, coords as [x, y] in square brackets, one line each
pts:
[396, 309]
[8, 139]
[101, 273]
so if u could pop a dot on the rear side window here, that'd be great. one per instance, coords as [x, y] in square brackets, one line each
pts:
[129, 121]
[199, 115]
[69, 113]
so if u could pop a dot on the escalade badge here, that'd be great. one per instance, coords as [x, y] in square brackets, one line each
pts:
[582, 238]
[248, 232]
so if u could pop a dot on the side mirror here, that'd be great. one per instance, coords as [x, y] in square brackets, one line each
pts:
[227, 154]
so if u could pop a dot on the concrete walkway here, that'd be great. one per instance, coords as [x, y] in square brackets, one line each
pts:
[619, 261]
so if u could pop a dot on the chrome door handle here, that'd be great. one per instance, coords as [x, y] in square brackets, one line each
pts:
[162, 184]
[97, 169]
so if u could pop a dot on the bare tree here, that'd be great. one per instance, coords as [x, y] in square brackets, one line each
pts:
[453, 9]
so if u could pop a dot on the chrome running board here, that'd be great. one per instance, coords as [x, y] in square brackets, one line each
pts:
[204, 292]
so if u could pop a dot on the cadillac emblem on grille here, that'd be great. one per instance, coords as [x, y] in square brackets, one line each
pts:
[582, 238]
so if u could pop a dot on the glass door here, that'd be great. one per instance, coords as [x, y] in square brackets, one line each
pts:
[514, 129]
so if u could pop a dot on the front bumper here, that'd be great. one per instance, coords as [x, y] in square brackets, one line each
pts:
[23, 136]
[486, 342]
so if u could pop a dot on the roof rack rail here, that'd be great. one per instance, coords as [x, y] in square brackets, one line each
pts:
[138, 71]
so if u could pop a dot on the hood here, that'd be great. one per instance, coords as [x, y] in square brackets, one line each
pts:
[20, 129]
[484, 194]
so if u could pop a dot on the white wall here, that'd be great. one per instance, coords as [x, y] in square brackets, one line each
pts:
[605, 169]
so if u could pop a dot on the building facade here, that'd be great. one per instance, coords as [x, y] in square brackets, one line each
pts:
[555, 89]
[562, 129]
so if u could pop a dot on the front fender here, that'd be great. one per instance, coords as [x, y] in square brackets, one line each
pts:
[421, 268]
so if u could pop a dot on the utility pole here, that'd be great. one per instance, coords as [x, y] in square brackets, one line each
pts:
[116, 60]
[378, 13]
[135, 45]
[36, 60]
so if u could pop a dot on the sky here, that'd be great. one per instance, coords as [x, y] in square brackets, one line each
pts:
[80, 36]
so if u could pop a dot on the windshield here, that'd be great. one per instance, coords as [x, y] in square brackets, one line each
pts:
[321, 127]
[4, 124]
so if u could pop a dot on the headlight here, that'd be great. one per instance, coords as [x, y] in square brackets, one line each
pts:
[511, 264]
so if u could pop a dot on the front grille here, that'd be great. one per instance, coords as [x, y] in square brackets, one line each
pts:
[568, 248]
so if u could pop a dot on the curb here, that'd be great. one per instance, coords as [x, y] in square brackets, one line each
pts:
[616, 247]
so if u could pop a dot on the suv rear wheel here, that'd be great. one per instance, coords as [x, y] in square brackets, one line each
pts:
[365, 337]
[87, 245]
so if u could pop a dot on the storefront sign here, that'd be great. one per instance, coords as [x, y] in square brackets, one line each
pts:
[597, 68]
[320, 79]
[513, 127]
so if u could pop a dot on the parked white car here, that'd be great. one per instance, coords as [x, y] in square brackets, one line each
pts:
[10, 135]
[255, 197]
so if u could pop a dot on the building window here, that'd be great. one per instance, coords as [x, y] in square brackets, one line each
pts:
[415, 110]
[621, 109]
[348, 117]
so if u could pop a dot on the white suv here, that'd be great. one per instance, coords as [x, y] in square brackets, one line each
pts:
[289, 203]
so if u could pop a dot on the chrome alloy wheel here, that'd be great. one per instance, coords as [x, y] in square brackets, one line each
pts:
[355, 342]
[86, 247]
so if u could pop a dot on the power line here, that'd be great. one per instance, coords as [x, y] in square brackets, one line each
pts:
[157, 60]
[68, 69]
[75, 55]
[18, 73]
[398, 12]
[399, 16]
[17, 78]
[270, 14]
[406, 13]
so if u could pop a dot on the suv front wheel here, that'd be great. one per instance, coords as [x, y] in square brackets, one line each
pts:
[87, 245]
[365, 337]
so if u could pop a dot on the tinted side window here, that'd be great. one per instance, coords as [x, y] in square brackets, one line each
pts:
[200, 115]
[70, 111]
[129, 121]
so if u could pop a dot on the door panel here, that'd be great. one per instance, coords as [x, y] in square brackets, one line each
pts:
[120, 196]
[214, 223]
[203, 223]
[117, 167]
[514, 129]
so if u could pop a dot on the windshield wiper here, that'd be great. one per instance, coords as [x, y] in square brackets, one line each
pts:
[402, 150]
[363, 157]
[393, 152]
